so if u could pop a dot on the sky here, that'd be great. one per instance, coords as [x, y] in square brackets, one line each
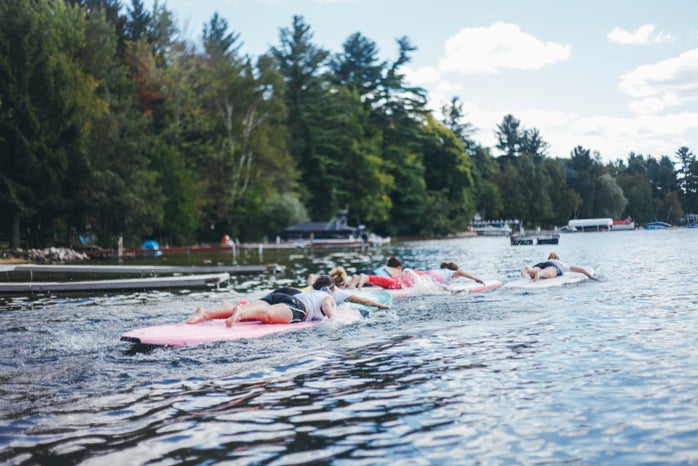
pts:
[612, 76]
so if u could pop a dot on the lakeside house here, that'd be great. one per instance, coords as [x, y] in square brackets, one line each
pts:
[336, 232]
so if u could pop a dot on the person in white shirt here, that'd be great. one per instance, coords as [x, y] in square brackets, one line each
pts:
[277, 308]
[552, 268]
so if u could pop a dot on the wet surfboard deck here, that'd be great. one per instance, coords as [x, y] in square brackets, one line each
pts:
[456, 286]
[566, 279]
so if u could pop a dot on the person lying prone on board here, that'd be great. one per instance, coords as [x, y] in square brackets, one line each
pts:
[341, 280]
[552, 268]
[408, 278]
[277, 308]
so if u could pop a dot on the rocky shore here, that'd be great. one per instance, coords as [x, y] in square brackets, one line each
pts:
[43, 256]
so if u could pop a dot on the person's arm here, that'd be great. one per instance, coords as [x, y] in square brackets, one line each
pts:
[584, 270]
[460, 273]
[328, 307]
[366, 301]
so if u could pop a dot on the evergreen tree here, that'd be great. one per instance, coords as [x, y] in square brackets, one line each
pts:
[509, 135]
[488, 199]
[43, 98]
[447, 171]
[688, 178]
[610, 201]
[453, 120]
[357, 67]
[301, 63]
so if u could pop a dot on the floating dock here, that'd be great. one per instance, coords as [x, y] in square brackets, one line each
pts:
[181, 276]
[182, 281]
[143, 269]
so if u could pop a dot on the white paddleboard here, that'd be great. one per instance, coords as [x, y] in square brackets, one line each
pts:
[565, 279]
[456, 286]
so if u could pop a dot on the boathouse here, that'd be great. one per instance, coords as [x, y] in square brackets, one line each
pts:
[336, 228]
[591, 224]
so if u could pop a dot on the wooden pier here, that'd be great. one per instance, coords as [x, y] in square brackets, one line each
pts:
[185, 281]
[143, 269]
[178, 276]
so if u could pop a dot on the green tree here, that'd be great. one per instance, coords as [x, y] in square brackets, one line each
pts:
[638, 191]
[447, 170]
[534, 189]
[688, 178]
[509, 135]
[565, 200]
[582, 170]
[508, 181]
[610, 201]
[357, 67]
[302, 63]
[531, 142]
[454, 120]
[44, 95]
[488, 199]
[400, 112]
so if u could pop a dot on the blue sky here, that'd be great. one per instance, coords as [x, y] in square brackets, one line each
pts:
[613, 76]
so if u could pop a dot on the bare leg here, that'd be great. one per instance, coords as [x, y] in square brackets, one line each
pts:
[260, 310]
[202, 314]
[363, 279]
[548, 272]
[311, 279]
[531, 272]
[353, 281]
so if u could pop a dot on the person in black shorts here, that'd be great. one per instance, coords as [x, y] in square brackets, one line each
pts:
[277, 307]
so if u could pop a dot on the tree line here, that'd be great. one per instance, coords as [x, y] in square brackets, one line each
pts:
[111, 122]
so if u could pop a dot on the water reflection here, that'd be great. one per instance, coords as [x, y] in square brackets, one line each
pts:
[600, 372]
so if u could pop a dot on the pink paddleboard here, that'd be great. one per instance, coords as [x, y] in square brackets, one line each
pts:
[182, 334]
[474, 287]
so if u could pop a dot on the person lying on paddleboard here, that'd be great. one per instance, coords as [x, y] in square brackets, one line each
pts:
[408, 278]
[552, 268]
[341, 279]
[277, 308]
[392, 269]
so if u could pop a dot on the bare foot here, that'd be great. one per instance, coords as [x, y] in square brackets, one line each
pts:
[362, 281]
[311, 279]
[525, 272]
[198, 316]
[353, 281]
[234, 317]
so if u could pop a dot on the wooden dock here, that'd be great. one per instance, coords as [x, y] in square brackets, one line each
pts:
[181, 281]
[143, 269]
[150, 276]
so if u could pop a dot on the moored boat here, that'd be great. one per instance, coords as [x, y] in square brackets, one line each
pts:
[657, 226]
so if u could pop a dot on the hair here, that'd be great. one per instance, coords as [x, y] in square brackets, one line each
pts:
[449, 265]
[323, 281]
[394, 262]
[554, 256]
[339, 276]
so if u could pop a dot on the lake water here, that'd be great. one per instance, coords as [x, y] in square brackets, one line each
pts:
[600, 372]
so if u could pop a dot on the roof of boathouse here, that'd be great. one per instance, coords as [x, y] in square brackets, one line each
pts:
[336, 226]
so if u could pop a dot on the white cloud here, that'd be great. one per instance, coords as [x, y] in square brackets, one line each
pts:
[613, 137]
[500, 46]
[421, 76]
[643, 35]
[673, 81]
[649, 105]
